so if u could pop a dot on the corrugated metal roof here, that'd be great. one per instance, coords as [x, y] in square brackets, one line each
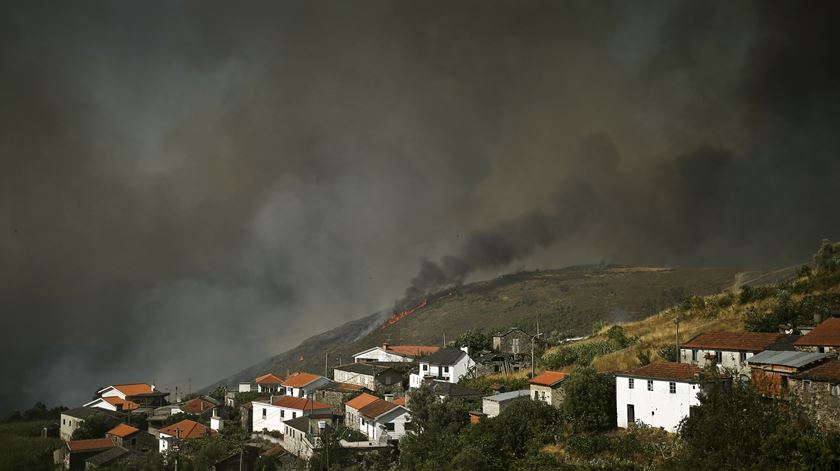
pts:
[508, 395]
[791, 359]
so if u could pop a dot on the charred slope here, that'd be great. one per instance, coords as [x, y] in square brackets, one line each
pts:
[566, 301]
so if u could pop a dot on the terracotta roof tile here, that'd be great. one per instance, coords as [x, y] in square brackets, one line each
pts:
[826, 334]
[666, 371]
[269, 379]
[189, 429]
[361, 401]
[377, 408]
[400, 401]
[413, 350]
[90, 445]
[197, 405]
[133, 389]
[299, 403]
[122, 430]
[126, 405]
[549, 378]
[299, 380]
[732, 341]
[828, 372]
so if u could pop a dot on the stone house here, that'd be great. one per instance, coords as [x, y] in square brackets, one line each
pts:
[825, 338]
[301, 436]
[352, 418]
[131, 438]
[548, 387]
[514, 341]
[771, 370]
[817, 391]
[371, 376]
[336, 394]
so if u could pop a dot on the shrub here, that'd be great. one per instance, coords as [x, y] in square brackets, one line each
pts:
[669, 352]
[643, 356]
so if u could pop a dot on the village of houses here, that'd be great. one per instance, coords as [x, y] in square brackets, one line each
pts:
[372, 395]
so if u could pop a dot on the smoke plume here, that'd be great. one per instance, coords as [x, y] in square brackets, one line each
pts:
[188, 187]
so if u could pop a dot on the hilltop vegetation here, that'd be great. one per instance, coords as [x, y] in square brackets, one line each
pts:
[761, 308]
[567, 302]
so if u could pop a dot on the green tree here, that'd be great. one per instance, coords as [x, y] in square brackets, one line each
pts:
[669, 352]
[94, 426]
[521, 430]
[475, 340]
[589, 403]
[330, 455]
[727, 429]
[827, 258]
[432, 443]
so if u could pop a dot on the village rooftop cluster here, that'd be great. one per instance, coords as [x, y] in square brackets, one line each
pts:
[287, 414]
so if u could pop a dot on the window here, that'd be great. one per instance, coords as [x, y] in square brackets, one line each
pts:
[389, 426]
[63, 422]
[694, 354]
[835, 389]
[496, 368]
[650, 385]
[294, 415]
[133, 441]
[743, 357]
[543, 397]
[264, 413]
[784, 382]
[536, 395]
[515, 346]
[807, 385]
[718, 357]
[425, 366]
[387, 380]
[282, 414]
[630, 383]
[821, 349]
[446, 369]
[672, 387]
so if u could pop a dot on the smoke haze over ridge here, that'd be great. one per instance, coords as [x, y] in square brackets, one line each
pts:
[188, 187]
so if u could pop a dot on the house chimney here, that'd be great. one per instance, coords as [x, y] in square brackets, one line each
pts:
[385, 345]
[817, 318]
[389, 397]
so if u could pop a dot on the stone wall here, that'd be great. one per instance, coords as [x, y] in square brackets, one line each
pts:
[817, 402]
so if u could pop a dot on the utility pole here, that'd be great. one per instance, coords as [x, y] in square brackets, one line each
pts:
[677, 335]
[326, 355]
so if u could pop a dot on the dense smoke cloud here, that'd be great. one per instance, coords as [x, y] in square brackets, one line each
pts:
[188, 187]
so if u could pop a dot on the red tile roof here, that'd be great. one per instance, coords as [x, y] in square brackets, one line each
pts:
[361, 401]
[828, 372]
[197, 405]
[122, 430]
[400, 401]
[134, 388]
[269, 379]
[377, 408]
[299, 380]
[732, 341]
[298, 403]
[666, 371]
[189, 429]
[549, 378]
[90, 445]
[126, 405]
[413, 350]
[826, 334]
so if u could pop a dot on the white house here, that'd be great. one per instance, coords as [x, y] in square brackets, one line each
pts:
[73, 418]
[352, 418]
[726, 350]
[270, 384]
[394, 353]
[126, 397]
[269, 415]
[449, 365]
[304, 384]
[659, 394]
[183, 430]
[382, 421]
[493, 405]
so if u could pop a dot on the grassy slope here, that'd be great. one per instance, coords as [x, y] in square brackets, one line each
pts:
[21, 446]
[568, 301]
[658, 330]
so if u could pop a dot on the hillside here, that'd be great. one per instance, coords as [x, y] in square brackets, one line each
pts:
[800, 297]
[567, 301]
